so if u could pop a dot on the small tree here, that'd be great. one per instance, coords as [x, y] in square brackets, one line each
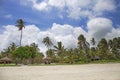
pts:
[24, 54]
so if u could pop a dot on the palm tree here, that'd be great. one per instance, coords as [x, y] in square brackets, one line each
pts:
[93, 49]
[35, 49]
[103, 48]
[13, 46]
[47, 41]
[20, 25]
[103, 44]
[83, 44]
[93, 41]
[71, 55]
[116, 47]
[59, 49]
[35, 46]
[110, 44]
[81, 41]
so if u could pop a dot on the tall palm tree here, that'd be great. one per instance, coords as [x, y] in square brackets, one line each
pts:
[116, 47]
[47, 41]
[20, 25]
[103, 48]
[110, 44]
[93, 49]
[83, 45]
[59, 49]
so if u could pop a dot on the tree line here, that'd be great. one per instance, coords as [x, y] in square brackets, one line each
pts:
[84, 53]
[105, 50]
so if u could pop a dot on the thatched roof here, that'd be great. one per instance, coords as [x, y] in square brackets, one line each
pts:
[5, 59]
[48, 58]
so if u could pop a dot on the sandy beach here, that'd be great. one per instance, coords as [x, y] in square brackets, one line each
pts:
[62, 72]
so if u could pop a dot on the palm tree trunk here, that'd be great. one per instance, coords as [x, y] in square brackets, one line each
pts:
[21, 38]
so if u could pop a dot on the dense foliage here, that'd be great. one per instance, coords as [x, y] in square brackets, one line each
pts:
[105, 50]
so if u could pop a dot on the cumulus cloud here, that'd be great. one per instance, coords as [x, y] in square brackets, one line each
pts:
[55, 3]
[67, 34]
[102, 28]
[40, 6]
[99, 27]
[9, 35]
[75, 9]
[104, 5]
[113, 33]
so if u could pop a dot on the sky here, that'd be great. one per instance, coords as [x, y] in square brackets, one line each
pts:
[61, 20]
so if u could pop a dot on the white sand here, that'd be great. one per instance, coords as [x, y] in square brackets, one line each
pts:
[62, 72]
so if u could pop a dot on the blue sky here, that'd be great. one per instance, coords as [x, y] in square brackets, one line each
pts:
[11, 10]
[62, 20]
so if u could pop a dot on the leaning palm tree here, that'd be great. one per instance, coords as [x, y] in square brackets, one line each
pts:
[20, 25]
[47, 41]
[82, 43]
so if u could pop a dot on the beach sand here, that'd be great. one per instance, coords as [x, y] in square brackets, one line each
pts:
[62, 72]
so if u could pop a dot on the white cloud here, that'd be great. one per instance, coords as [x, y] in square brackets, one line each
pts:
[102, 28]
[63, 30]
[30, 34]
[104, 5]
[8, 36]
[99, 27]
[67, 34]
[114, 33]
[40, 6]
[76, 9]
[56, 3]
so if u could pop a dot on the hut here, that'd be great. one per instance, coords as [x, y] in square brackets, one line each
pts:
[5, 60]
[47, 60]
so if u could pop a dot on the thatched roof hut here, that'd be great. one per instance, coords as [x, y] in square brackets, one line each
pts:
[47, 60]
[5, 60]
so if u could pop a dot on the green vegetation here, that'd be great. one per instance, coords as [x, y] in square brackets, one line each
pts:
[1, 65]
[105, 51]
